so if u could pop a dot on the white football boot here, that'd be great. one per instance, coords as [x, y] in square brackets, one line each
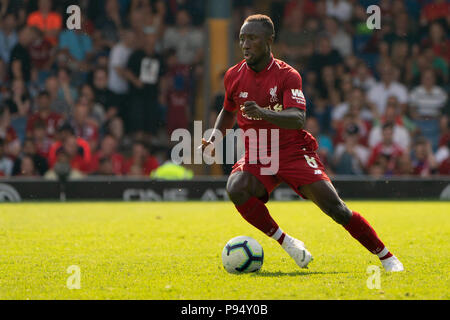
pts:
[296, 249]
[392, 264]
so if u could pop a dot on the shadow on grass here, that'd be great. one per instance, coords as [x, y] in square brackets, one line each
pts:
[293, 274]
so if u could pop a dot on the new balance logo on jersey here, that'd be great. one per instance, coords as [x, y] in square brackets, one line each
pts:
[297, 94]
[317, 171]
[243, 94]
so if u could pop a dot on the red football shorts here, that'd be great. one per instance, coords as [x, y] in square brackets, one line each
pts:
[302, 168]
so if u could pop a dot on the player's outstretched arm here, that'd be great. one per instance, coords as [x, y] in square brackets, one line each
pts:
[225, 120]
[290, 118]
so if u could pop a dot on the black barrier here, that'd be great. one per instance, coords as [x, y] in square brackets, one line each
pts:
[210, 189]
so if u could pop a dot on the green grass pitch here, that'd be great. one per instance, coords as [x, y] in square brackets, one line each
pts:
[173, 251]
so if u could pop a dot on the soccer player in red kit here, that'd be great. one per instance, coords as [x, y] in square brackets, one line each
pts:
[266, 93]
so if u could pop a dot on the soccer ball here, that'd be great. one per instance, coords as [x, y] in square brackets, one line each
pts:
[242, 255]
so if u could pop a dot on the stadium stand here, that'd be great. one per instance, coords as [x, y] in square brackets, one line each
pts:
[106, 98]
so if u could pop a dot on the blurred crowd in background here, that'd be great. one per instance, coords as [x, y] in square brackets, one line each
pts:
[106, 98]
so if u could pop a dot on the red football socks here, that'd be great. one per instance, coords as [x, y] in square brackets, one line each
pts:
[362, 231]
[256, 213]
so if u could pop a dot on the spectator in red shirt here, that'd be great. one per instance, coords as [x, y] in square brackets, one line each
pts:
[48, 21]
[444, 124]
[442, 155]
[77, 149]
[6, 164]
[178, 111]
[79, 157]
[40, 139]
[51, 119]
[438, 9]
[307, 7]
[105, 168]
[8, 134]
[175, 94]
[444, 168]
[443, 158]
[387, 152]
[354, 117]
[391, 114]
[439, 41]
[108, 150]
[141, 159]
[41, 52]
[84, 126]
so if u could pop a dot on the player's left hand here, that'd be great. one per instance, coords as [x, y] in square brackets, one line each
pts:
[251, 109]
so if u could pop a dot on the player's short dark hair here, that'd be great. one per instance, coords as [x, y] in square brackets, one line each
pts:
[264, 20]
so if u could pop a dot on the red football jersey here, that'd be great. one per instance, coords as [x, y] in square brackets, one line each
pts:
[53, 121]
[150, 164]
[117, 160]
[277, 87]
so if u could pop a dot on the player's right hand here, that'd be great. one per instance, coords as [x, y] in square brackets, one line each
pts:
[207, 143]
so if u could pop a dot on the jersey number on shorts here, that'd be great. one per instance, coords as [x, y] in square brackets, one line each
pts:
[311, 162]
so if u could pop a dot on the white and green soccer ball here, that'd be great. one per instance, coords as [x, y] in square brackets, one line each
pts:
[242, 255]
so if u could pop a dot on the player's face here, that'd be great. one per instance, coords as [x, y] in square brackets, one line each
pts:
[254, 42]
